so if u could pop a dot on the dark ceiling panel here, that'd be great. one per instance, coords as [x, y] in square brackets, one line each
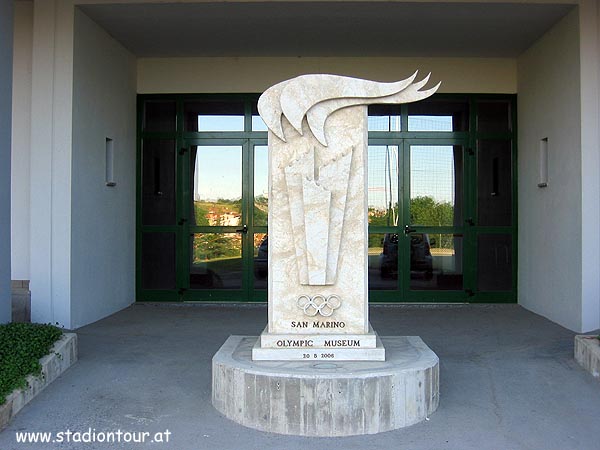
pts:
[327, 28]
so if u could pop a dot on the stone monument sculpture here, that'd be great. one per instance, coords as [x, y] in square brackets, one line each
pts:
[318, 368]
[318, 265]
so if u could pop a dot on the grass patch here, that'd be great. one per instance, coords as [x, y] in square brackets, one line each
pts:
[21, 347]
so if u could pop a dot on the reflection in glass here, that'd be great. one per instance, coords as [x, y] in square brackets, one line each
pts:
[438, 115]
[214, 116]
[430, 123]
[435, 261]
[261, 255]
[494, 183]
[258, 124]
[159, 116]
[383, 185]
[494, 262]
[217, 185]
[261, 185]
[158, 182]
[158, 261]
[436, 185]
[384, 118]
[383, 261]
[220, 123]
[216, 261]
[493, 116]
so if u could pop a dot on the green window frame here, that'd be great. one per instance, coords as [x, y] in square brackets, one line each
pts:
[471, 137]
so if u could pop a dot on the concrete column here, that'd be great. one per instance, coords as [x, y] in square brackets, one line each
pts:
[6, 48]
[590, 164]
[50, 168]
[21, 139]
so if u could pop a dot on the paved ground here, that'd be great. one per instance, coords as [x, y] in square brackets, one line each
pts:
[508, 381]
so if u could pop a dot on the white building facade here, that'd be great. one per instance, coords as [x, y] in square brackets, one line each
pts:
[78, 67]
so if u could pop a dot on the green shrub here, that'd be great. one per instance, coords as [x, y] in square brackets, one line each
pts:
[21, 347]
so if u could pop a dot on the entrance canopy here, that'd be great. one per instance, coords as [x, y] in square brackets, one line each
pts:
[327, 28]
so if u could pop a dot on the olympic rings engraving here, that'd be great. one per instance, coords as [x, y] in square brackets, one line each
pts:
[319, 304]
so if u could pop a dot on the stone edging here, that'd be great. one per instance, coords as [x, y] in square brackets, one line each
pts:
[587, 353]
[62, 355]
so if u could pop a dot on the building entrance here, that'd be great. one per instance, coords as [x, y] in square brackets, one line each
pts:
[442, 220]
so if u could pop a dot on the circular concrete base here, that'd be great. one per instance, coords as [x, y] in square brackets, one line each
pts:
[331, 398]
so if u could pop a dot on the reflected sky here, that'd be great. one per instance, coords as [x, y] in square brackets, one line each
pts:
[218, 171]
[220, 123]
[432, 172]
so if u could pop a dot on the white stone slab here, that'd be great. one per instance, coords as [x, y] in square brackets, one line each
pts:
[319, 354]
[326, 398]
[317, 201]
[288, 254]
[312, 340]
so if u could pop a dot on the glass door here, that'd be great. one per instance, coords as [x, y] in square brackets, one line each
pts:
[441, 199]
[225, 226]
[435, 219]
[419, 220]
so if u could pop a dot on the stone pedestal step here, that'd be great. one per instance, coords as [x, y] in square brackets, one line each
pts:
[326, 398]
[312, 340]
[327, 353]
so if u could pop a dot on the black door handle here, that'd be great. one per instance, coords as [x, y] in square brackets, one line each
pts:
[182, 221]
[408, 229]
[243, 230]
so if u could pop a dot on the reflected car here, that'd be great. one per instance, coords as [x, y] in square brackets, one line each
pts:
[420, 255]
[261, 266]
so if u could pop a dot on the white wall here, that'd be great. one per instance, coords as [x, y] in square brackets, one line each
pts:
[550, 224]
[103, 220]
[206, 75]
[590, 163]
[21, 139]
[598, 127]
[6, 50]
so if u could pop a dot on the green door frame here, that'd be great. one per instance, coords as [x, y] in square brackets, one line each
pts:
[247, 292]
[463, 229]
[403, 293]
[469, 139]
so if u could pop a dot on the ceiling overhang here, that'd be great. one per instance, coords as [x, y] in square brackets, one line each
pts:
[326, 28]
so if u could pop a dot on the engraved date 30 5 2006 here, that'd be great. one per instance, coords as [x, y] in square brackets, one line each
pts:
[316, 355]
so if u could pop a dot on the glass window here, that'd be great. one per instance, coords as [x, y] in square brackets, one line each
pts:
[436, 185]
[158, 261]
[494, 116]
[383, 261]
[384, 118]
[217, 185]
[257, 123]
[158, 182]
[438, 115]
[494, 183]
[261, 260]
[214, 116]
[261, 185]
[216, 261]
[159, 116]
[383, 185]
[436, 261]
[494, 262]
